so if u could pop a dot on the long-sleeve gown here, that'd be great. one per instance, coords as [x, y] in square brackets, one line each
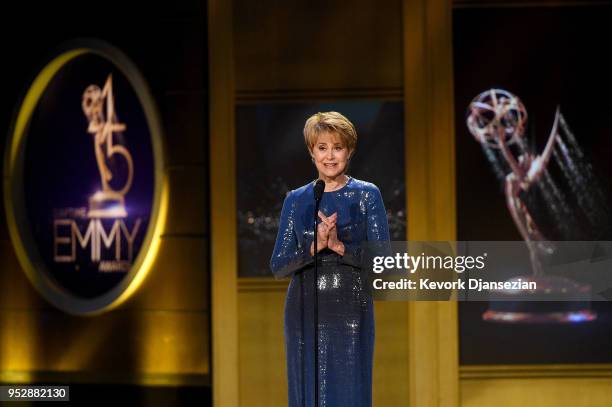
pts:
[346, 319]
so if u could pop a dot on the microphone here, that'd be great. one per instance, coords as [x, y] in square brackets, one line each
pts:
[318, 189]
[318, 193]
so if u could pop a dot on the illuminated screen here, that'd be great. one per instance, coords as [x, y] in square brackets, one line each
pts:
[557, 64]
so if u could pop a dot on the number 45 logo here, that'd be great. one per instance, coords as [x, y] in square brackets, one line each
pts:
[99, 108]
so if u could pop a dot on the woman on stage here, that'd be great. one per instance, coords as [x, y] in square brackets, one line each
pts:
[351, 211]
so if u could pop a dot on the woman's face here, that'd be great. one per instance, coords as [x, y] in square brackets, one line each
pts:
[330, 155]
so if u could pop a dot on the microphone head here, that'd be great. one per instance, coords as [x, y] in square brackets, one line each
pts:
[318, 189]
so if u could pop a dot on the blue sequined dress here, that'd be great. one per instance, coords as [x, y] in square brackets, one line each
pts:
[346, 314]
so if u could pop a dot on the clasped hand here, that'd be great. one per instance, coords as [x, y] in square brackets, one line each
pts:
[327, 235]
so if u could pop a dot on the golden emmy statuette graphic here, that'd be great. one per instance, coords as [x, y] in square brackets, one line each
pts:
[99, 108]
[497, 119]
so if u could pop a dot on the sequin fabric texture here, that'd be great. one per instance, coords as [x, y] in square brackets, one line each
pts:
[346, 317]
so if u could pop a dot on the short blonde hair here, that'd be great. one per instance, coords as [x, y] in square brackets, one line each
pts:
[332, 122]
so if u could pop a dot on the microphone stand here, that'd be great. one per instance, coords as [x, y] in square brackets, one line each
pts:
[316, 303]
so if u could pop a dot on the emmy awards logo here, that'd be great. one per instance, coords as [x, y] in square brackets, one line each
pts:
[99, 108]
[106, 232]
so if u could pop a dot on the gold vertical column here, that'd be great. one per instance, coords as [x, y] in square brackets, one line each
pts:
[430, 191]
[222, 206]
